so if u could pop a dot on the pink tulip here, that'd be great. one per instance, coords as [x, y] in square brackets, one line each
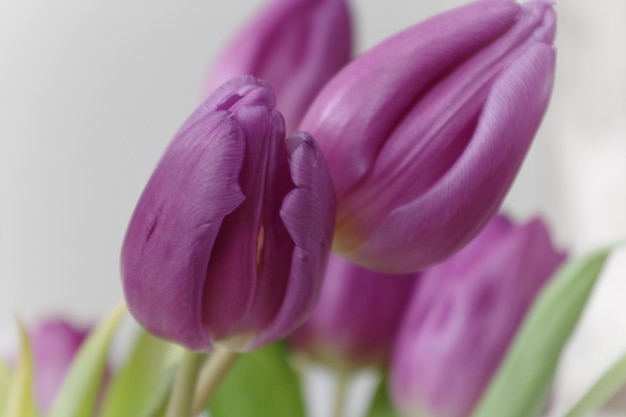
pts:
[357, 316]
[230, 238]
[464, 315]
[295, 45]
[55, 343]
[424, 133]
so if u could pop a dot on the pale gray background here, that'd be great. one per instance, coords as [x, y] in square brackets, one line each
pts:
[90, 93]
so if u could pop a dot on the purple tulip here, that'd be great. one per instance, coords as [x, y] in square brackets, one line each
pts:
[464, 315]
[295, 45]
[231, 235]
[55, 343]
[425, 133]
[357, 315]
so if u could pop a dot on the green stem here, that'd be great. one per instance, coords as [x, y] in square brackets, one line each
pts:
[341, 393]
[211, 375]
[184, 385]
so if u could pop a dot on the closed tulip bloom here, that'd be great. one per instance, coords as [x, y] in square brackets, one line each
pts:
[295, 45]
[465, 314]
[55, 343]
[230, 238]
[357, 316]
[425, 133]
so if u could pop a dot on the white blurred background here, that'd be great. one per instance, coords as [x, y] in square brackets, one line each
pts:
[91, 92]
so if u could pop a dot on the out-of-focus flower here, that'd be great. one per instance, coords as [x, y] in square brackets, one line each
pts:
[617, 404]
[230, 238]
[357, 316]
[55, 343]
[425, 133]
[295, 45]
[460, 322]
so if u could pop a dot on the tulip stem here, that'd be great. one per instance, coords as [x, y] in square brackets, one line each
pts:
[211, 375]
[184, 384]
[341, 393]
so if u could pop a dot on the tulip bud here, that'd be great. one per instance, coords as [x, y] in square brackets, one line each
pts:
[425, 133]
[295, 45]
[55, 343]
[465, 313]
[356, 317]
[231, 235]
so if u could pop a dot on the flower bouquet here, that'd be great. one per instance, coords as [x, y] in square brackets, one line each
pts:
[325, 209]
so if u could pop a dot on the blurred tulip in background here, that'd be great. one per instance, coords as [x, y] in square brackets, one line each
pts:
[295, 45]
[463, 316]
[357, 316]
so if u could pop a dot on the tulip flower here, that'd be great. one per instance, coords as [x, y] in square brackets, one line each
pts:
[295, 45]
[230, 238]
[424, 133]
[55, 343]
[357, 315]
[464, 315]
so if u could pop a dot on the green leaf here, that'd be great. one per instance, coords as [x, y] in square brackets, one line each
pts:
[79, 392]
[20, 400]
[381, 405]
[602, 391]
[522, 383]
[260, 384]
[5, 384]
[139, 387]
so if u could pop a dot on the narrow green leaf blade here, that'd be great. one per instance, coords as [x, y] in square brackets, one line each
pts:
[261, 384]
[79, 392]
[5, 384]
[602, 391]
[140, 385]
[20, 399]
[522, 383]
[381, 404]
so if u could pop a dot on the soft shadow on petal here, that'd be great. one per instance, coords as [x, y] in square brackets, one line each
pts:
[308, 214]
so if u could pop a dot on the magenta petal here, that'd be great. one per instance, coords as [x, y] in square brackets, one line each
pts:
[357, 316]
[232, 273]
[308, 215]
[455, 208]
[359, 107]
[425, 132]
[210, 255]
[55, 344]
[296, 45]
[464, 315]
[173, 228]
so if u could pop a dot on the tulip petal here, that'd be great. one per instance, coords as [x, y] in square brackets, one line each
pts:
[477, 298]
[173, 229]
[308, 214]
[357, 316]
[296, 45]
[435, 132]
[384, 93]
[55, 344]
[531, 361]
[454, 209]
[236, 258]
